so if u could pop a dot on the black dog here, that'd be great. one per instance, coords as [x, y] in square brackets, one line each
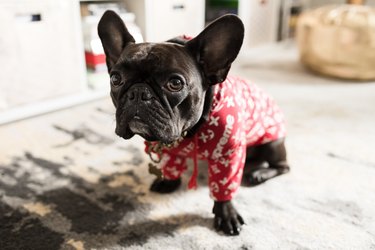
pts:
[177, 96]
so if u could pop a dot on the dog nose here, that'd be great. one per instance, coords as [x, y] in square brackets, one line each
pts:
[139, 93]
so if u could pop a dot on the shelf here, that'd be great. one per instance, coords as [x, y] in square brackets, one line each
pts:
[58, 103]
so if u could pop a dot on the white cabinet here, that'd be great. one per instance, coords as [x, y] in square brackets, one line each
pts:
[163, 19]
[41, 52]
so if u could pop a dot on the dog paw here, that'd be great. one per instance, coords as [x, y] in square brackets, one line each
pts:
[165, 186]
[260, 175]
[227, 218]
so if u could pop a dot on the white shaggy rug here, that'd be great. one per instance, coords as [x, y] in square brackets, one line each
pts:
[67, 182]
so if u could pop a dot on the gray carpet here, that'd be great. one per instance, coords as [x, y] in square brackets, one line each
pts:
[67, 182]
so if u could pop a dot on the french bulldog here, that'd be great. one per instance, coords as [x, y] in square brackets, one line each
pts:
[178, 96]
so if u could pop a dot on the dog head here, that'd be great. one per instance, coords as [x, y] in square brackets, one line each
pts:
[160, 89]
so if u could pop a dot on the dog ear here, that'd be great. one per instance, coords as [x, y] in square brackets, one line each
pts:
[114, 36]
[216, 47]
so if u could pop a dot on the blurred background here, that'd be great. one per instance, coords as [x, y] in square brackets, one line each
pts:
[68, 182]
[51, 56]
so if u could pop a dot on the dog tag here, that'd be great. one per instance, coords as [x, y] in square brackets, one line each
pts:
[153, 169]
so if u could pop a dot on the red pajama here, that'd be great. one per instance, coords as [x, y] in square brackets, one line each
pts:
[242, 115]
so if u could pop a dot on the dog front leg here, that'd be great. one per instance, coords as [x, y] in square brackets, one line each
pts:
[227, 219]
[225, 176]
[172, 167]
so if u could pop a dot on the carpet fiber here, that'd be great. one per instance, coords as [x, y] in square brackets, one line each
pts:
[67, 182]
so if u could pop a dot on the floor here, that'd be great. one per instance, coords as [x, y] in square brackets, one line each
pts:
[67, 182]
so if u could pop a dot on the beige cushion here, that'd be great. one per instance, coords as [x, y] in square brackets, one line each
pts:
[339, 41]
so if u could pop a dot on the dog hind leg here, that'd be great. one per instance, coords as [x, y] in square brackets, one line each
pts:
[164, 186]
[265, 162]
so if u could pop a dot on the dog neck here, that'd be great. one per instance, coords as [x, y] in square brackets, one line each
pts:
[206, 112]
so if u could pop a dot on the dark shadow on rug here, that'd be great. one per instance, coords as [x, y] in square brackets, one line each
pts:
[44, 207]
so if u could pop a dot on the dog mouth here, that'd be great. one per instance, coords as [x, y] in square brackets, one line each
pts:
[138, 126]
[151, 125]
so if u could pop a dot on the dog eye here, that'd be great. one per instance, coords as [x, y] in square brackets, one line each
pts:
[174, 84]
[116, 79]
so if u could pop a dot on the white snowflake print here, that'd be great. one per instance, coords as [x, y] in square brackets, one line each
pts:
[214, 187]
[230, 152]
[205, 154]
[203, 137]
[211, 134]
[178, 161]
[215, 169]
[173, 171]
[214, 121]
[223, 181]
[225, 162]
[232, 186]
[229, 101]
